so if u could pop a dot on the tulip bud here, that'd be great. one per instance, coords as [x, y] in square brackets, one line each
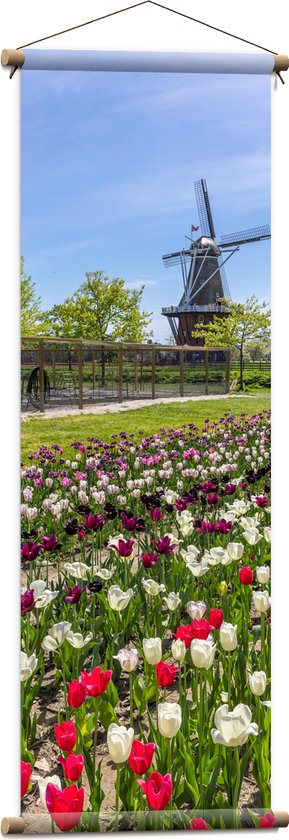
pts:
[222, 588]
[258, 682]
[261, 601]
[152, 649]
[202, 653]
[119, 742]
[235, 550]
[169, 719]
[128, 658]
[228, 636]
[196, 609]
[263, 574]
[178, 650]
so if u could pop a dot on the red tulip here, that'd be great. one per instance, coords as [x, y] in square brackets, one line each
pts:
[197, 824]
[141, 757]
[72, 766]
[185, 633]
[246, 575]
[201, 628]
[267, 821]
[26, 769]
[76, 694]
[64, 806]
[96, 682]
[216, 618]
[157, 789]
[166, 674]
[65, 734]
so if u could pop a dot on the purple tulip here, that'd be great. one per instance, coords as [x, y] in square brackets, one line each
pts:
[94, 522]
[30, 550]
[50, 543]
[73, 594]
[27, 601]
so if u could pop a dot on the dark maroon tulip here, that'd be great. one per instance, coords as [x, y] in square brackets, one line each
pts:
[213, 498]
[132, 523]
[149, 560]
[124, 547]
[94, 522]
[30, 550]
[27, 601]
[50, 543]
[164, 545]
[71, 528]
[73, 594]
[95, 586]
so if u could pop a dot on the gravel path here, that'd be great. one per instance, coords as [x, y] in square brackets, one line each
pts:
[128, 405]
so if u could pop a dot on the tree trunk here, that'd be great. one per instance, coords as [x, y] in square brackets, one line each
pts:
[241, 368]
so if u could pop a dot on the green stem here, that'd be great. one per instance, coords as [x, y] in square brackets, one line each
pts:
[116, 798]
[236, 787]
[131, 699]
[229, 679]
[64, 684]
[95, 734]
[200, 738]
[263, 629]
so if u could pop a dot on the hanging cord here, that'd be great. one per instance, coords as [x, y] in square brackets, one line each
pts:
[160, 6]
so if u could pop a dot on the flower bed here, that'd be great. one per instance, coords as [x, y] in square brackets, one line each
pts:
[145, 663]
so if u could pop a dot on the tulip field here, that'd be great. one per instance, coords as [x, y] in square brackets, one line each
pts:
[145, 629]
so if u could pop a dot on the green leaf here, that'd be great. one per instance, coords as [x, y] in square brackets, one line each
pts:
[208, 800]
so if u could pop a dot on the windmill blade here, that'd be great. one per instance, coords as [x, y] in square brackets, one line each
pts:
[204, 208]
[243, 237]
[176, 258]
[227, 293]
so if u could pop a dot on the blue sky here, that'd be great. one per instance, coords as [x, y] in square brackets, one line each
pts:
[108, 166]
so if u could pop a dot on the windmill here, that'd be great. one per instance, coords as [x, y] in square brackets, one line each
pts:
[203, 273]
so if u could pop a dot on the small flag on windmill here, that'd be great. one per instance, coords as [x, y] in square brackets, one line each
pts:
[195, 228]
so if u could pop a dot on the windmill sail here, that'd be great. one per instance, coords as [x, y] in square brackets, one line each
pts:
[204, 208]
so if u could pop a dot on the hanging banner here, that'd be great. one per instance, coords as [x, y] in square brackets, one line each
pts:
[145, 558]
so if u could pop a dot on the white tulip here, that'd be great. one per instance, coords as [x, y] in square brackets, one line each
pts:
[190, 554]
[239, 506]
[202, 653]
[169, 719]
[77, 570]
[178, 650]
[28, 665]
[77, 640]
[216, 555]
[196, 609]
[228, 636]
[233, 728]
[250, 521]
[56, 636]
[172, 601]
[258, 682]
[263, 574]
[235, 550]
[119, 741]
[42, 784]
[42, 596]
[170, 497]
[252, 536]
[152, 649]
[114, 540]
[198, 569]
[152, 588]
[128, 658]
[117, 599]
[105, 574]
[261, 601]
[267, 534]
[187, 529]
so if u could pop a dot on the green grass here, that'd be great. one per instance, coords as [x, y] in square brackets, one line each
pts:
[64, 430]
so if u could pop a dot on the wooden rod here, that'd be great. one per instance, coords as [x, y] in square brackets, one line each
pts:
[12, 825]
[12, 58]
[17, 825]
[281, 62]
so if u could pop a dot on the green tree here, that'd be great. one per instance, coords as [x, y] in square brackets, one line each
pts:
[245, 325]
[100, 309]
[30, 304]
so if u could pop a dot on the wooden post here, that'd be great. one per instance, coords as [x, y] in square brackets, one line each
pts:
[120, 363]
[80, 376]
[53, 369]
[93, 371]
[206, 371]
[135, 371]
[181, 373]
[41, 376]
[153, 374]
[228, 368]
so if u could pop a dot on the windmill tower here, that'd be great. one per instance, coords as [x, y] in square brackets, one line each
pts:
[203, 273]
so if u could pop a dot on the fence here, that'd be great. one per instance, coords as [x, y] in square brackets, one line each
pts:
[56, 373]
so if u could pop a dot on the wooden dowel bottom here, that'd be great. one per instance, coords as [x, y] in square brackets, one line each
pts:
[12, 825]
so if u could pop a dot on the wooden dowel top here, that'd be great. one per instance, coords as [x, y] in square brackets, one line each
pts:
[12, 58]
[12, 825]
[281, 63]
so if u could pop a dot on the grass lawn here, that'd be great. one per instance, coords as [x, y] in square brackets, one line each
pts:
[144, 421]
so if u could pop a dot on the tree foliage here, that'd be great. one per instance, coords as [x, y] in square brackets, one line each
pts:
[101, 309]
[30, 305]
[244, 325]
